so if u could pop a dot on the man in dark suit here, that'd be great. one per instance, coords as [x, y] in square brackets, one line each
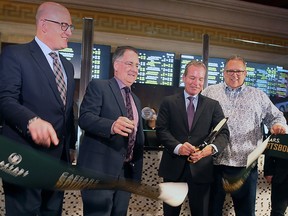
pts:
[109, 134]
[276, 173]
[181, 141]
[33, 111]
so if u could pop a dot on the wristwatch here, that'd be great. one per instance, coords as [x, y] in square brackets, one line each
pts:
[214, 149]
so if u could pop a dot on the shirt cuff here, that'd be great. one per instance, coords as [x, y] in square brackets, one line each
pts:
[112, 132]
[176, 150]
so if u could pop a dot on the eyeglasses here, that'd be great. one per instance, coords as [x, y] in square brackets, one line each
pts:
[238, 72]
[131, 64]
[64, 26]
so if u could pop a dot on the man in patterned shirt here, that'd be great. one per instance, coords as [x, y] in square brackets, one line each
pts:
[247, 108]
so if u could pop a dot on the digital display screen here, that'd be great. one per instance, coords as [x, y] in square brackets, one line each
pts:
[73, 54]
[101, 58]
[101, 61]
[156, 67]
[282, 84]
[271, 79]
[215, 70]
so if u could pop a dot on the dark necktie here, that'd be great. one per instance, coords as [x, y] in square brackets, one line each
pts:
[59, 76]
[190, 111]
[131, 138]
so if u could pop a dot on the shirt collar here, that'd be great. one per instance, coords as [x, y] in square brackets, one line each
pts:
[186, 95]
[45, 49]
[120, 83]
[239, 89]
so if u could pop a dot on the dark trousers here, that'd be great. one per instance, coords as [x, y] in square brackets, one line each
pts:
[32, 202]
[198, 196]
[244, 199]
[279, 198]
[107, 202]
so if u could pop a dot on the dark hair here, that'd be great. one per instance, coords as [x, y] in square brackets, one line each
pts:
[119, 52]
[235, 57]
[194, 63]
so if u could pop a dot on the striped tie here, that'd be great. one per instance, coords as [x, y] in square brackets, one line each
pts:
[59, 76]
[131, 140]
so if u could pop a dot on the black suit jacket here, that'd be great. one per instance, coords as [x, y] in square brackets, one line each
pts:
[28, 89]
[172, 129]
[276, 167]
[100, 150]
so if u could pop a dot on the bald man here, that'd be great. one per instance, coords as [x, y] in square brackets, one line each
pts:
[37, 111]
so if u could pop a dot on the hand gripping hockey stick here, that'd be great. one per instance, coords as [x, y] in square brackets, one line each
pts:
[27, 167]
[210, 138]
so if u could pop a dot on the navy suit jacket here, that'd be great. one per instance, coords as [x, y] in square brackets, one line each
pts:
[99, 150]
[28, 89]
[172, 129]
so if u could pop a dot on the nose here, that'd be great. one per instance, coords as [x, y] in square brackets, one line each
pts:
[134, 68]
[68, 32]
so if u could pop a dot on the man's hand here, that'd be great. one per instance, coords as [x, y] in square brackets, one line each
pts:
[187, 149]
[43, 133]
[199, 154]
[278, 129]
[123, 126]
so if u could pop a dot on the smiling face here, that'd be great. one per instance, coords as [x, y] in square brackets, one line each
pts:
[50, 32]
[194, 79]
[235, 73]
[126, 67]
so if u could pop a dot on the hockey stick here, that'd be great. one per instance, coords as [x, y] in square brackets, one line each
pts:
[24, 166]
[234, 183]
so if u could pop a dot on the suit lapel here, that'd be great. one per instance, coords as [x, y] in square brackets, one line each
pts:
[180, 105]
[200, 107]
[137, 104]
[42, 62]
[118, 96]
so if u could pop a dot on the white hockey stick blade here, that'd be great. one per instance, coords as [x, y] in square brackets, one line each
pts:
[173, 193]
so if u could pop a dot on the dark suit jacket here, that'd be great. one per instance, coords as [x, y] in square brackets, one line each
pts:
[28, 89]
[276, 167]
[105, 153]
[172, 129]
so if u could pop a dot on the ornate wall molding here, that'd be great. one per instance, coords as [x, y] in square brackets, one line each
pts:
[118, 23]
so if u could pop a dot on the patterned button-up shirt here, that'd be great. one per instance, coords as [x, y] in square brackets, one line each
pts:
[246, 108]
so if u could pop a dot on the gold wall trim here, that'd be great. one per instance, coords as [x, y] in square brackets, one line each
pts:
[20, 12]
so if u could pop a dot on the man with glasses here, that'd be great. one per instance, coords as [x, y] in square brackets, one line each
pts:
[36, 103]
[247, 109]
[110, 115]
